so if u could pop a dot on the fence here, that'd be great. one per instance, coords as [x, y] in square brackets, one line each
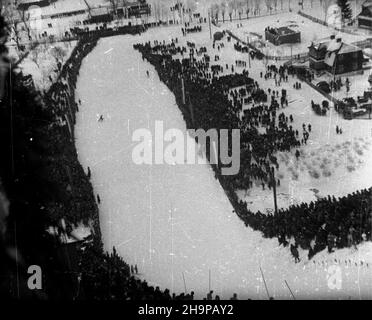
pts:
[266, 56]
[299, 56]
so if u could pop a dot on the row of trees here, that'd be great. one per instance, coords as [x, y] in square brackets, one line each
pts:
[241, 8]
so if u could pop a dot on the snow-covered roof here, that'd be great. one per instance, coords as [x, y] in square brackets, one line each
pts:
[332, 45]
[96, 12]
[286, 30]
[281, 31]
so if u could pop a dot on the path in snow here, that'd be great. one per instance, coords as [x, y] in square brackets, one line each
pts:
[176, 219]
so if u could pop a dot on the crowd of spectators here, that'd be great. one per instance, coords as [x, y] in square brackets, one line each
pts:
[221, 102]
[332, 223]
[42, 183]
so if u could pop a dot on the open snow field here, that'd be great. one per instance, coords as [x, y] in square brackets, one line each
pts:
[176, 220]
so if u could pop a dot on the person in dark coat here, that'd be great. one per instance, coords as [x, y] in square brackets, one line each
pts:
[295, 253]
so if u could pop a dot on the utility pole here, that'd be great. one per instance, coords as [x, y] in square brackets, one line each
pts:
[184, 282]
[249, 53]
[174, 15]
[264, 281]
[290, 290]
[209, 281]
[183, 91]
[273, 182]
[210, 27]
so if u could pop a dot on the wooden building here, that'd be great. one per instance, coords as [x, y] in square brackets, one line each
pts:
[282, 35]
[365, 17]
[100, 15]
[334, 56]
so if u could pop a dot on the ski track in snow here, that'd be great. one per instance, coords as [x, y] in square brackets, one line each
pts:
[171, 220]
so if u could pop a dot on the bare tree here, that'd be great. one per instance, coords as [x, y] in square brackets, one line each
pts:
[275, 3]
[159, 8]
[247, 7]
[257, 8]
[240, 7]
[268, 4]
[223, 11]
[230, 10]
[191, 7]
[156, 10]
[234, 4]
[114, 6]
[215, 10]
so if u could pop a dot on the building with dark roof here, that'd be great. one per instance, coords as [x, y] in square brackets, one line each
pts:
[282, 35]
[100, 15]
[138, 8]
[365, 17]
[335, 56]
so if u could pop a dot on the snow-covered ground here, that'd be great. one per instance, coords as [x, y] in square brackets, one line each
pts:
[175, 221]
[42, 62]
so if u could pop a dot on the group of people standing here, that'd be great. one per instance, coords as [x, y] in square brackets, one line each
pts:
[264, 131]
